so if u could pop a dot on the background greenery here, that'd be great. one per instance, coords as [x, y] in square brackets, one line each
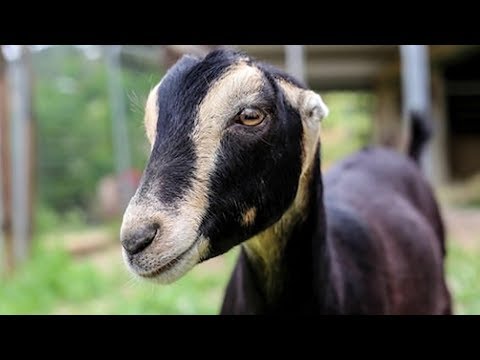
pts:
[74, 127]
[75, 150]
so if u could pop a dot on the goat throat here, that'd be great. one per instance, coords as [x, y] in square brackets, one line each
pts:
[265, 250]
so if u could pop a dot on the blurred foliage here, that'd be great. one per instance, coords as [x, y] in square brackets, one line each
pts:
[74, 126]
[348, 127]
[47, 219]
[463, 271]
[47, 278]
[53, 281]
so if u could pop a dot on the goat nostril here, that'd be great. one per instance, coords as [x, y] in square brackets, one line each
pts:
[139, 239]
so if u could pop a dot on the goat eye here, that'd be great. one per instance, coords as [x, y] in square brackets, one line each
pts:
[250, 117]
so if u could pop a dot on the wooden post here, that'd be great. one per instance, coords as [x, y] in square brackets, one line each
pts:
[5, 165]
[2, 110]
[32, 147]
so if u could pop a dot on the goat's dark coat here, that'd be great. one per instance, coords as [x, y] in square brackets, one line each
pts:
[369, 240]
[378, 249]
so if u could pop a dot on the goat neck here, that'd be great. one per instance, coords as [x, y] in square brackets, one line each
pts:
[281, 257]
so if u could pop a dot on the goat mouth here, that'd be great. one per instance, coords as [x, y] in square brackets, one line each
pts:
[172, 263]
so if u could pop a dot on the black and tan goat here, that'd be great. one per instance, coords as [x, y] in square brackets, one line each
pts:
[235, 159]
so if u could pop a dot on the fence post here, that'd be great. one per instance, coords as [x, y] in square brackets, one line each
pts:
[21, 143]
[295, 61]
[3, 117]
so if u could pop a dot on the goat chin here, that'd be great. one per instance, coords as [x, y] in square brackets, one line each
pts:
[174, 269]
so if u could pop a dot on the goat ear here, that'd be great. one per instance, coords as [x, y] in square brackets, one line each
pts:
[313, 108]
[310, 104]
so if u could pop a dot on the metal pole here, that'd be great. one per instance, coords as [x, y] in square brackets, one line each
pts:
[20, 111]
[295, 61]
[121, 145]
[416, 90]
[415, 78]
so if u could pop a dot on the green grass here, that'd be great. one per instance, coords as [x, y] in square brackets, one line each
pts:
[54, 282]
[348, 127]
[198, 292]
[48, 278]
[463, 276]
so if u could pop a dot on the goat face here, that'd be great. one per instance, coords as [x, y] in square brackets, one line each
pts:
[229, 142]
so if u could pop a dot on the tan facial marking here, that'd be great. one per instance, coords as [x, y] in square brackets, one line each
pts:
[312, 110]
[292, 93]
[151, 114]
[248, 217]
[241, 84]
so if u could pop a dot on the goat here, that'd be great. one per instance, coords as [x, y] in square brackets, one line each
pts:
[235, 159]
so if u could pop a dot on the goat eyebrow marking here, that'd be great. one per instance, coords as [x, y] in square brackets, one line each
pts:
[248, 217]
[151, 114]
[213, 111]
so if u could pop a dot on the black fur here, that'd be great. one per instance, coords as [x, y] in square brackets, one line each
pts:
[421, 133]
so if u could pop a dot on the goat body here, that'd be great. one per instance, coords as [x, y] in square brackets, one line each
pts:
[235, 160]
